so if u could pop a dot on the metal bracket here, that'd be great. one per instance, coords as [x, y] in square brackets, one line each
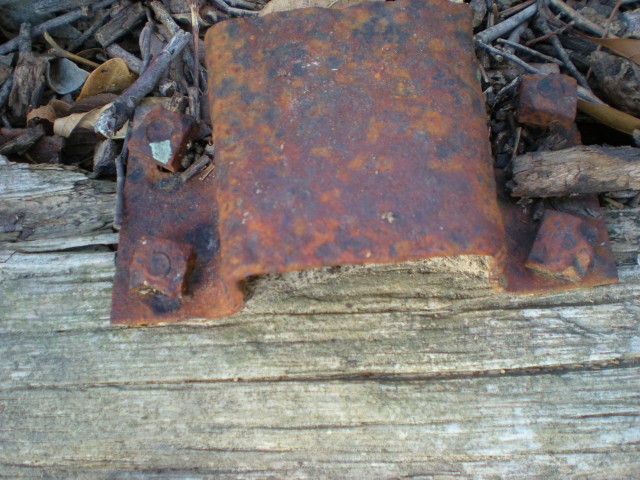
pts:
[342, 137]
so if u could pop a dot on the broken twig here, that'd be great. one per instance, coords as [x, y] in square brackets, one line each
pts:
[122, 108]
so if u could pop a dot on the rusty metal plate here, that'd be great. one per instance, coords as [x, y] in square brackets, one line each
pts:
[342, 137]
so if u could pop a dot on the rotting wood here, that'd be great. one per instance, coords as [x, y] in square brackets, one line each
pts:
[584, 169]
[415, 382]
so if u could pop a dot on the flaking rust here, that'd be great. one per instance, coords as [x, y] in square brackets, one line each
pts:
[342, 137]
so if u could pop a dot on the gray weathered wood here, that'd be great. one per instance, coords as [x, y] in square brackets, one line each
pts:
[554, 425]
[582, 169]
[437, 378]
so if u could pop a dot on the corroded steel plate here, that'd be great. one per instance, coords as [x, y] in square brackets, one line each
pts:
[342, 137]
[350, 136]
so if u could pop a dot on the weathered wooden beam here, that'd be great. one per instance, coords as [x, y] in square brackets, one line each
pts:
[558, 425]
[583, 169]
[404, 378]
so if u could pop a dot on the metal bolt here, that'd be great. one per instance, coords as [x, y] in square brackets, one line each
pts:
[162, 136]
[158, 130]
[564, 246]
[160, 266]
[544, 99]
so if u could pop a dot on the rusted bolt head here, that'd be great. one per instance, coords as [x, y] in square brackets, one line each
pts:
[158, 130]
[160, 266]
[544, 99]
[161, 136]
[564, 246]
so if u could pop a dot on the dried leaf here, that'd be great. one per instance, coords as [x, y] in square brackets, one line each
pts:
[625, 47]
[48, 113]
[283, 5]
[611, 117]
[44, 114]
[65, 126]
[112, 76]
[64, 76]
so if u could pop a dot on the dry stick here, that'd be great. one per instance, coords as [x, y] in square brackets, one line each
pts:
[120, 174]
[195, 168]
[194, 92]
[542, 24]
[134, 63]
[584, 93]
[114, 117]
[121, 23]
[61, 52]
[234, 11]
[582, 169]
[51, 6]
[507, 12]
[195, 33]
[530, 51]
[243, 4]
[490, 34]
[170, 24]
[101, 17]
[145, 43]
[23, 142]
[38, 30]
[579, 20]
[5, 90]
[550, 34]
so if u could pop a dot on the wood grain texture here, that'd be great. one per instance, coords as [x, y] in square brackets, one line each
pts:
[447, 380]
[583, 169]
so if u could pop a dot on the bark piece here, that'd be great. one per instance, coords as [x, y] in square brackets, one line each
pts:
[29, 79]
[23, 142]
[120, 24]
[619, 80]
[583, 169]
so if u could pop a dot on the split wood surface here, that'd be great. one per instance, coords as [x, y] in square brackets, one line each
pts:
[583, 169]
[443, 382]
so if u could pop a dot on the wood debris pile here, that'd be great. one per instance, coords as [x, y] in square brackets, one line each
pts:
[72, 72]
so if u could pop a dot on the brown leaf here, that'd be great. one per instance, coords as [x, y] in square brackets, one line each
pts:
[625, 47]
[611, 117]
[42, 114]
[112, 76]
[283, 5]
[65, 126]
[48, 114]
